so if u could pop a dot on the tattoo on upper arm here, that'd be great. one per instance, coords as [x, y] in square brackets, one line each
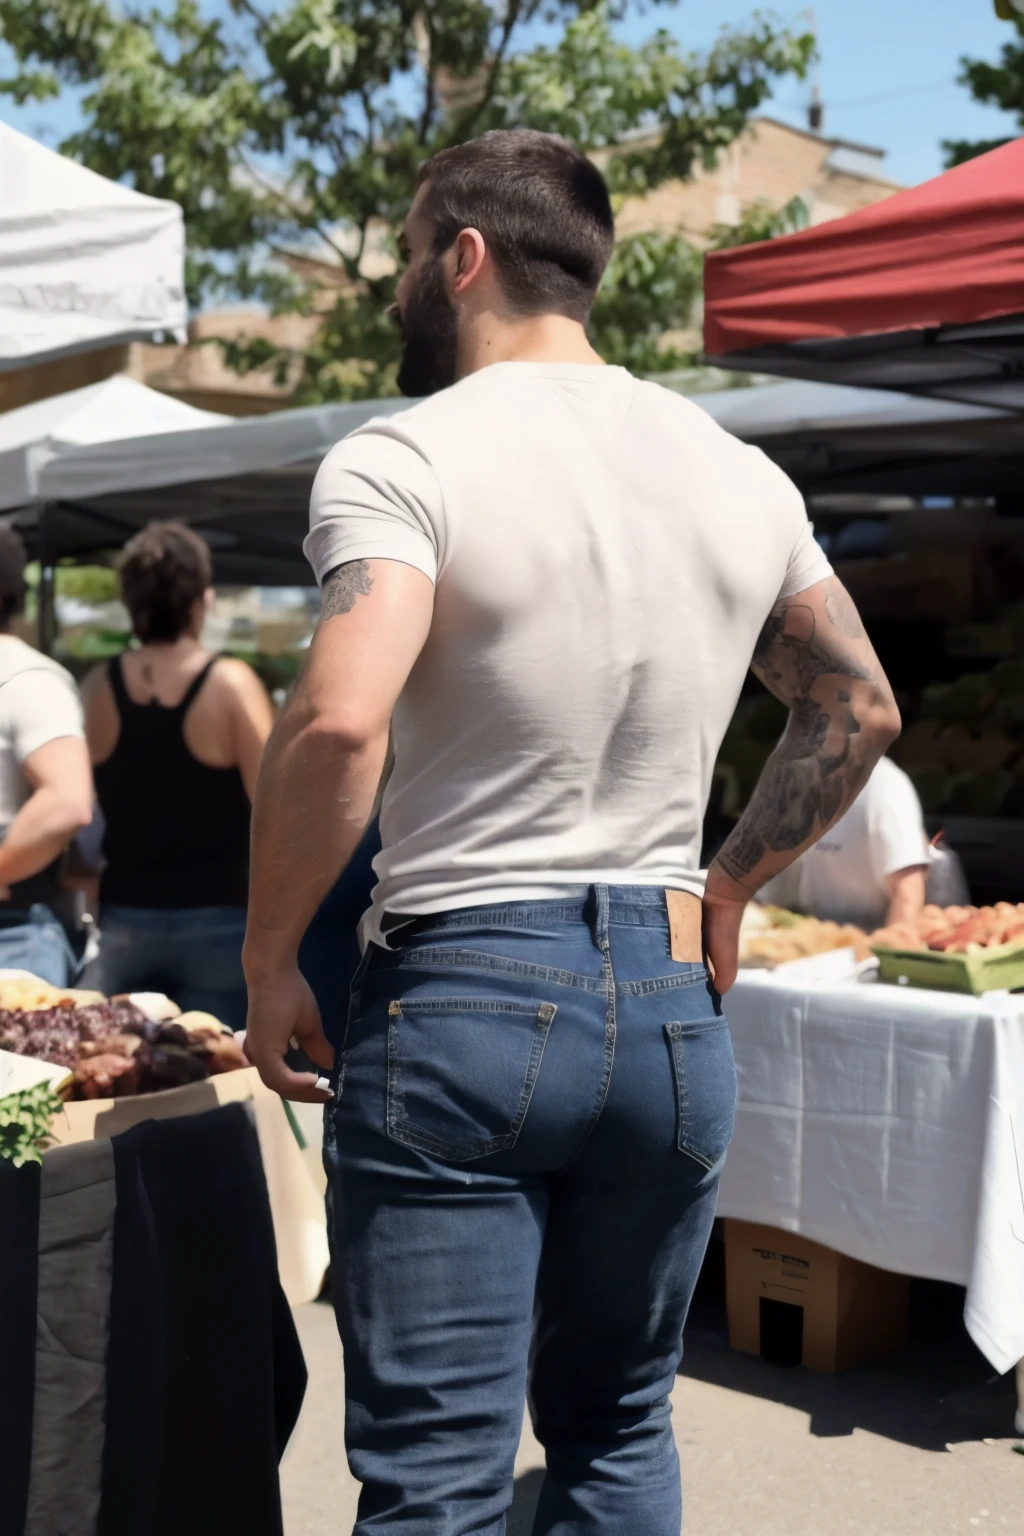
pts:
[342, 586]
[818, 766]
[842, 612]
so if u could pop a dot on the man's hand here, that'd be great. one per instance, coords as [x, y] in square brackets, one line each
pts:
[722, 916]
[283, 1008]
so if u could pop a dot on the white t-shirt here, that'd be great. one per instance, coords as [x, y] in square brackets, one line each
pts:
[842, 877]
[38, 703]
[604, 557]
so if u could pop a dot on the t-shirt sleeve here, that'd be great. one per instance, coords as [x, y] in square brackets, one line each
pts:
[376, 497]
[896, 826]
[38, 707]
[807, 561]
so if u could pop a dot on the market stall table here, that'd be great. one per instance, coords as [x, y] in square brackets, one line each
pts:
[888, 1124]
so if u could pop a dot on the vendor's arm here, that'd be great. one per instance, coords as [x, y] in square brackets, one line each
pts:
[899, 844]
[814, 655]
[60, 804]
[905, 889]
[315, 794]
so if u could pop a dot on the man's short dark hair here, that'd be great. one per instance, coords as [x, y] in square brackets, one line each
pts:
[541, 206]
[164, 571]
[12, 575]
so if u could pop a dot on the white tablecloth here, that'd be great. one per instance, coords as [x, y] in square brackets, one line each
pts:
[888, 1123]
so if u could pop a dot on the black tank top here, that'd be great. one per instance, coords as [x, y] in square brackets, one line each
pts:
[177, 831]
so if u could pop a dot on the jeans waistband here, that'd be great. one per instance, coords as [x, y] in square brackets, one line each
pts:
[639, 906]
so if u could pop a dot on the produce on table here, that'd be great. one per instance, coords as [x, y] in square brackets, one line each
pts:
[112, 1049]
[771, 936]
[962, 930]
[25, 1120]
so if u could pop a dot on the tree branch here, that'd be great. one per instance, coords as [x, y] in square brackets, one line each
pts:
[473, 113]
[307, 220]
[245, 7]
[429, 89]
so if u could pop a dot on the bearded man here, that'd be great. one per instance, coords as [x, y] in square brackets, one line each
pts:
[549, 578]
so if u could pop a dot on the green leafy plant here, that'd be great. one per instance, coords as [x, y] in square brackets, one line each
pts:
[25, 1119]
[994, 85]
[291, 133]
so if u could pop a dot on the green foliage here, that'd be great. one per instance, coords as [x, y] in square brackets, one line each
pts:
[89, 583]
[25, 1123]
[298, 126]
[651, 285]
[760, 221]
[995, 85]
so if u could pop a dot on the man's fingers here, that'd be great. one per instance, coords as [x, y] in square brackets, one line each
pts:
[310, 1035]
[301, 1087]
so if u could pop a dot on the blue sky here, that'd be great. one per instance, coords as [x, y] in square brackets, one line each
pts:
[887, 72]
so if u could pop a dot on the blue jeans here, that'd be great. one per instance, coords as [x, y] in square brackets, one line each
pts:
[194, 954]
[533, 1105]
[40, 946]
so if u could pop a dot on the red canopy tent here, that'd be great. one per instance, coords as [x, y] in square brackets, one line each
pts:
[923, 292]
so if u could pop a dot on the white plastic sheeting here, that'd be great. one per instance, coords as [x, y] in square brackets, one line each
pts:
[84, 262]
[888, 1123]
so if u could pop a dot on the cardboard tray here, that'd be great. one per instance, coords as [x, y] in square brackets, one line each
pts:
[989, 970]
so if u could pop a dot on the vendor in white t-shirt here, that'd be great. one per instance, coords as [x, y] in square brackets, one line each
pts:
[870, 868]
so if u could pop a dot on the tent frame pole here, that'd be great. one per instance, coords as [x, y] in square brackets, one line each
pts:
[47, 605]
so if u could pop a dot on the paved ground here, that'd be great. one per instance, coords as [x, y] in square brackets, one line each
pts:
[921, 1446]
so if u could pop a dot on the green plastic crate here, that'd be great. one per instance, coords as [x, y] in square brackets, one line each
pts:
[989, 970]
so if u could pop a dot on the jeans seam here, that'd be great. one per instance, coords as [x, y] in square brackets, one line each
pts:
[468, 959]
[610, 1032]
[662, 984]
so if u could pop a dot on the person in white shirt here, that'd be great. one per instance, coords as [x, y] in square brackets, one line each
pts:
[550, 577]
[46, 792]
[871, 867]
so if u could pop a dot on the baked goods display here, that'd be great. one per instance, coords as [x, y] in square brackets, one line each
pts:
[771, 936]
[109, 1046]
[961, 930]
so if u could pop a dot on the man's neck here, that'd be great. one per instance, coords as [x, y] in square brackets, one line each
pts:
[537, 339]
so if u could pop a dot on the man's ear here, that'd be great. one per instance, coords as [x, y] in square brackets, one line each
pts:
[470, 255]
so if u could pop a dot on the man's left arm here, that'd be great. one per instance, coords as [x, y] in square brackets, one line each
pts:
[899, 848]
[60, 804]
[905, 889]
[315, 795]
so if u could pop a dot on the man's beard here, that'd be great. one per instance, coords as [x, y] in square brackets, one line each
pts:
[428, 333]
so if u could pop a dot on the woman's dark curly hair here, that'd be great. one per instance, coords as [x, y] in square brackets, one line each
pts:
[12, 575]
[164, 571]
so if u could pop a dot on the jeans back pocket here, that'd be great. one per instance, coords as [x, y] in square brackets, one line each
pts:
[705, 1072]
[461, 1072]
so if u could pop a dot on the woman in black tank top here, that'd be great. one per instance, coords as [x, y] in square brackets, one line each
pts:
[175, 736]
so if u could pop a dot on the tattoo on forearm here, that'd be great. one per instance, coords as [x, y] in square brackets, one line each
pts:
[342, 586]
[819, 765]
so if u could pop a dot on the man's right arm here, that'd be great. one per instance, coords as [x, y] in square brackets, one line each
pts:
[813, 655]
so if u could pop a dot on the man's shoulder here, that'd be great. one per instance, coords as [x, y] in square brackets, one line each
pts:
[18, 658]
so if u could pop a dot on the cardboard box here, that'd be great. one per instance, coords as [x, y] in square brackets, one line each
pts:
[296, 1204]
[849, 1313]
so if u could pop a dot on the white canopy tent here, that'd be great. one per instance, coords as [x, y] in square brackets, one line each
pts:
[84, 262]
[117, 409]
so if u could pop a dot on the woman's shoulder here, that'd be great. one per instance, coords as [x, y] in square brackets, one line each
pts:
[96, 683]
[231, 674]
[233, 684]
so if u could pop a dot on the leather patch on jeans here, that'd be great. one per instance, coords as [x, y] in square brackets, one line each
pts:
[684, 923]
